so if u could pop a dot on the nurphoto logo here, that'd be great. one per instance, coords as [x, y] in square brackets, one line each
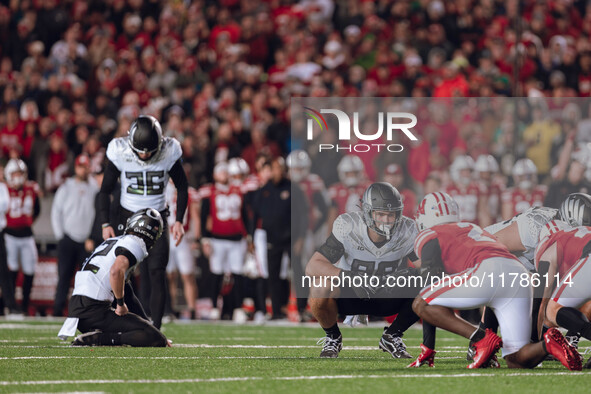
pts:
[394, 122]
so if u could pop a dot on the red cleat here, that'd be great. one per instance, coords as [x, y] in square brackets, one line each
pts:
[485, 349]
[564, 352]
[427, 356]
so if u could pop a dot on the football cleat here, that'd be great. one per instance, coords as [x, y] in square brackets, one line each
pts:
[573, 340]
[393, 345]
[471, 352]
[330, 346]
[493, 362]
[88, 339]
[558, 346]
[485, 349]
[427, 356]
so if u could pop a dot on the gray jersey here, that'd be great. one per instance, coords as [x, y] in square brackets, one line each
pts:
[143, 182]
[93, 280]
[529, 224]
[361, 254]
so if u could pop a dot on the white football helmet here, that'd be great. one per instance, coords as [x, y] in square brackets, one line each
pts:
[486, 163]
[553, 227]
[576, 209]
[220, 172]
[13, 167]
[525, 174]
[461, 163]
[299, 165]
[437, 208]
[351, 170]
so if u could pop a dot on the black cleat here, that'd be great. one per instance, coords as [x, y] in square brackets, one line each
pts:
[88, 339]
[330, 347]
[393, 345]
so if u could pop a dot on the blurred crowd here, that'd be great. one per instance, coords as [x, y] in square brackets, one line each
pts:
[219, 76]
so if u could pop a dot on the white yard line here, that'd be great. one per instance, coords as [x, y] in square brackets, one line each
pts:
[258, 378]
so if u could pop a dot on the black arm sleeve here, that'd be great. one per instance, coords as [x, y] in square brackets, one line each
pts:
[320, 203]
[204, 214]
[431, 261]
[412, 256]
[332, 249]
[178, 176]
[107, 187]
[125, 252]
[36, 209]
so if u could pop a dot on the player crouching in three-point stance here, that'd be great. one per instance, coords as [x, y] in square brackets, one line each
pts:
[564, 253]
[374, 243]
[101, 281]
[463, 251]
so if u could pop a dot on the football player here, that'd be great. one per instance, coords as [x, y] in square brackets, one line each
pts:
[521, 236]
[23, 209]
[299, 164]
[485, 170]
[394, 175]
[181, 257]
[470, 197]
[223, 229]
[525, 193]
[462, 251]
[375, 241]
[345, 194]
[143, 162]
[563, 253]
[100, 282]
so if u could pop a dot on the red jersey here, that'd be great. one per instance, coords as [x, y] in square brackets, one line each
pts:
[521, 201]
[409, 199]
[21, 206]
[569, 247]
[493, 194]
[225, 209]
[250, 184]
[463, 245]
[467, 199]
[346, 199]
[311, 185]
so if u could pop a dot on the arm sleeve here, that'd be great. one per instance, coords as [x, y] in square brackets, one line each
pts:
[204, 214]
[36, 208]
[107, 187]
[120, 250]
[332, 249]
[320, 202]
[178, 176]
[431, 261]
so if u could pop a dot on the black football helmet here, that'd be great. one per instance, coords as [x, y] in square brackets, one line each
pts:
[147, 224]
[145, 135]
[381, 196]
[576, 210]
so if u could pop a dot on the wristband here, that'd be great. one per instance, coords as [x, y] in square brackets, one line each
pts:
[119, 301]
[105, 225]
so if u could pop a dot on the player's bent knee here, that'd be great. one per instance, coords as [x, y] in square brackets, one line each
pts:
[418, 305]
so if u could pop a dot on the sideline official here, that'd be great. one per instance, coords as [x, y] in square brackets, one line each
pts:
[72, 215]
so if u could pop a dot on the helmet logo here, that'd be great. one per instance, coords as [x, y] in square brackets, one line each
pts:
[389, 205]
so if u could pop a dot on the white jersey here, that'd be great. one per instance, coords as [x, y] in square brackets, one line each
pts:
[529, 224]
[93, 280]
[143, 182]
[362, 255]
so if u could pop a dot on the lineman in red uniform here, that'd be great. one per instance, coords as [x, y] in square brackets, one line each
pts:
[465, 252]
[24, 207]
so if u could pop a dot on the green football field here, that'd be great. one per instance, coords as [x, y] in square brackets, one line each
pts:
[209, 357]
